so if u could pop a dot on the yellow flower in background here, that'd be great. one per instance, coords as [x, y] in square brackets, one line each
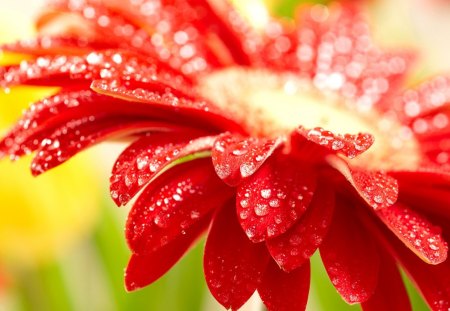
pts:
[39, 217]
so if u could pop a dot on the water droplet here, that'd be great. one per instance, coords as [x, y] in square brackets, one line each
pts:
[244, 203]
[141, 162]
[274, 203]
[265, 193]
[247, 169]
[261, 209]
[153, 167]
[195, 214]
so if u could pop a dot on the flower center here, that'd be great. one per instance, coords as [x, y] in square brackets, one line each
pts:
[269, 104]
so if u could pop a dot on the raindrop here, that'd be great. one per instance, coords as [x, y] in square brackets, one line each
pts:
[265, 193]
[195, 214]
[247, 169]
[244, 203]
[153, 167]
[261, 209]
[274, 203]
[141, 162]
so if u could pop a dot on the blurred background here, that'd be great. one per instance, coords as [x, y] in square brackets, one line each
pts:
[61, 238]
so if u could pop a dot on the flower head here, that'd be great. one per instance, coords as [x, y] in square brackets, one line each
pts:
[278, 142]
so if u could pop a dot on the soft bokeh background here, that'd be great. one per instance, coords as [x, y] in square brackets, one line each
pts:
[61, 238]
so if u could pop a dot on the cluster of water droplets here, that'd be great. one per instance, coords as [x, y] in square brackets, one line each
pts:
[377, 188]
[269, 202]
[235, 157]
[336, 50]
[147, 157]
[297, 245]
[348, 144]
[71, 138]
[178, 35]
[22, 138]
[416, 232]
[171, 207]
[166, 98]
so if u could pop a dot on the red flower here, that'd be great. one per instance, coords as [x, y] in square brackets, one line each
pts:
[228, 128]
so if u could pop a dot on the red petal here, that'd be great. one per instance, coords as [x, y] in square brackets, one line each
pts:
[293, 248]
[144, 269]
[72, 70]
[45, 116]
[349, 255]
[281, 291]
[347, 144]
[97, 25]
[270, 201]
[233, 265]
[425, 176]
[80, 134]
[417, 233]
[427, 98]
[433, 127]
[173, 203]
[188, 36]
[333, 46]
[429, 195]
[376, 188]
[433, 281]
[235, 157]
[58, 45]
[390, 293]
[191, 109]
[220, 29]
[147, 157]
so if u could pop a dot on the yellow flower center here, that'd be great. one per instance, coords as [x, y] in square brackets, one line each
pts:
[270, 104]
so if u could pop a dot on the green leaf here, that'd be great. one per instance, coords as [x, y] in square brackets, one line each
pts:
[286, 8]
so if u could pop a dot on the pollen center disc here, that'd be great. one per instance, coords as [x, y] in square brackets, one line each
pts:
[270, 104]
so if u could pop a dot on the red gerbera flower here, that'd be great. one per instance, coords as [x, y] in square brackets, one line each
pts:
[244, 134]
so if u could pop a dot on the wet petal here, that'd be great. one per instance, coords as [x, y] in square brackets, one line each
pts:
[173, 203]
[349, 255]
[71, 70]
[431, 280]
[236, 158]
[192, 29]
[147, 157]
[347, 144]
[293, 248]
[377, 188]
[281, 291]
[47, 115]
[77, 135]
[189, 107]
[144, 269]
[270, 201]
[221, 31]
[57, 45]
[332, 45]
[50, 111]
[429, 97]
[416, 233]
[233, 265]
[390, 293]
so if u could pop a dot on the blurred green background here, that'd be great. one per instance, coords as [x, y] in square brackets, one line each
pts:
[62, 240]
